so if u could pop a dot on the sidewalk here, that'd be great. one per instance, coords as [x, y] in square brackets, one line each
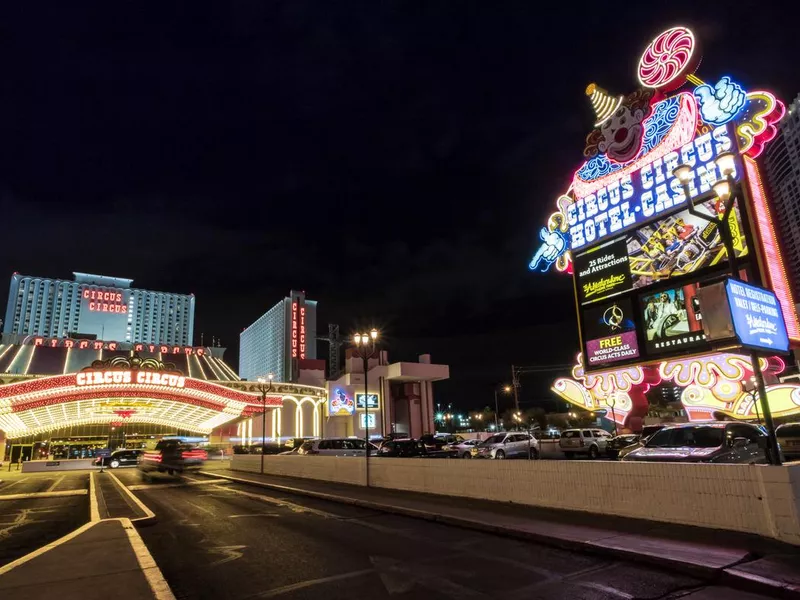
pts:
[742, 560]
[102, 559]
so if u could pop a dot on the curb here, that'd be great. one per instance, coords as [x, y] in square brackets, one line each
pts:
[689, 568]
[751, 582]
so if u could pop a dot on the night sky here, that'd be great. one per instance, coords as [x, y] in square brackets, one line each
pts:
[394, 159]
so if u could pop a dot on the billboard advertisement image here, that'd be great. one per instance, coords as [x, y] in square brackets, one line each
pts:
[610, 334]
[672, 319]
[681, 243]
[603, 271]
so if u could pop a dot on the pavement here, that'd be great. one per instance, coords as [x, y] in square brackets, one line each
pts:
[100, 560]
[745, 561]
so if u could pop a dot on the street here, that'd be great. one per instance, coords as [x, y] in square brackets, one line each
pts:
[31, 522]
[215, 540]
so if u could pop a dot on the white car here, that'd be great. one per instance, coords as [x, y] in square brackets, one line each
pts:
[591, 442]
[509, 444]
[336, 447]
[461, 449]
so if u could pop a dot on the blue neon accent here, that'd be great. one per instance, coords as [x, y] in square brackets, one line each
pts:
[554, 245]
[656, 126]
[721, 103]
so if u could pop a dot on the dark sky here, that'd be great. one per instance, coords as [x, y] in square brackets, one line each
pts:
[393, 159]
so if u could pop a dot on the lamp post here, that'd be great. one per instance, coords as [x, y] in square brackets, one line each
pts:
[264, 386]
[365, 348]
[505, 389]
[726, 191]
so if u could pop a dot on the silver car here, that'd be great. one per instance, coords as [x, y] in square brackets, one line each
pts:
[461, 449]
[336, 447]
[510, 444]
[788, 436]
[715, 442]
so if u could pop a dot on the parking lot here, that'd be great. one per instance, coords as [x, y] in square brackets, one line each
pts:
[32, 516]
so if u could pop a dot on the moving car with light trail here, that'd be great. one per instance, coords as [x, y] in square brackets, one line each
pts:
[172, 456]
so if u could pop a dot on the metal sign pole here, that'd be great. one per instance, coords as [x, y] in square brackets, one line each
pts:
[772, 450]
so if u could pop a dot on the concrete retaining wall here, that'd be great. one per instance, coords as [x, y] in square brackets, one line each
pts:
[73, 464]
[757, 499]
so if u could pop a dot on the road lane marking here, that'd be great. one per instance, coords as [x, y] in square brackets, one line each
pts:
[155, 579]
[603, 588]
[39, 551]
[55, 483]
[278, 502]
[253, 515]
[203, 508]
[34, 495]
[158, 486]
[228, 552]
[309, 583]
[149, 514]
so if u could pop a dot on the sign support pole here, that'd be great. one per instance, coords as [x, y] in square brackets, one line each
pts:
[772, 450]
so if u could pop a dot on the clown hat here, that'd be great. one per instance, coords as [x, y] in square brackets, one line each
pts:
[604, 105]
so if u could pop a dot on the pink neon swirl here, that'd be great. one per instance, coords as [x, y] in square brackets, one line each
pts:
[666, 57]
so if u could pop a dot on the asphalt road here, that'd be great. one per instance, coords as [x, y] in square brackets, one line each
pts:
[26, 524]
[237, 541]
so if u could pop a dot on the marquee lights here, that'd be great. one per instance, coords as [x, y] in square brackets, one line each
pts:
[90, 378]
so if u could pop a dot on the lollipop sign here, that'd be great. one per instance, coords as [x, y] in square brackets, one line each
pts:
[668, 60]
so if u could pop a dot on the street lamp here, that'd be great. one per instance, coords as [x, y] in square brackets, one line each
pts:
[365, 345]
[725, 190]
[506, 389]
[264, 386]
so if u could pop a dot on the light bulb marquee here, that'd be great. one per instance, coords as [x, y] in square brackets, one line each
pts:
[624, 230]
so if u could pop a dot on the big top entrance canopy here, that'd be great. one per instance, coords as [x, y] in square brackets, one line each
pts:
[124, 385]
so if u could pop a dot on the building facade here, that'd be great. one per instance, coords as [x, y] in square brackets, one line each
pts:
[279, 339]
[106, 308]
[782, 165]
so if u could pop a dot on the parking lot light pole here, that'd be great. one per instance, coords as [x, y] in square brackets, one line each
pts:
[264, 386]
[506, 389]
[365, 348]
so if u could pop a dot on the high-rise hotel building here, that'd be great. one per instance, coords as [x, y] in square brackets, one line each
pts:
[107, 308]
[782, 166]
[279, 339]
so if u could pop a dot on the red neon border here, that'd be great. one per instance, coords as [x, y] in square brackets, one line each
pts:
[773, 258]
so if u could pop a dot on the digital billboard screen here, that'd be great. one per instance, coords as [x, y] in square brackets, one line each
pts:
[609, 334]
[681, 243]
[672, 319]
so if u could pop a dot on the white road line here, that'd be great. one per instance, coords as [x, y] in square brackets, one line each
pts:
[55, 484]
[603, 588]
[311, 582]
[159, 585]
[33, 495]
[150, 514]
[254, 515]
[203, 508]
[279, 502]
[94, 511]
[39, 551]
[158, 486]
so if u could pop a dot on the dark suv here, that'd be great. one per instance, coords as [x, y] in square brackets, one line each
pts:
[173, 457]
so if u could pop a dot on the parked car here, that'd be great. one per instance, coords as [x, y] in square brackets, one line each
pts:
[402, 448]
[788, 436]
[617, 443]
[434, 444]
[549, 443]
[336, 447]
[172, 456]
[462, 449]
[509, 444]
[715, 442]
[647, 432]
[119, 458]
[591, 442]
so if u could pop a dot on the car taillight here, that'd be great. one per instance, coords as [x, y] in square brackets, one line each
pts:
[194, 454]
[155, 456]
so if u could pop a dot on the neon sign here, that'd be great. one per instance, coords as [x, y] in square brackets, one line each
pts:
[668, 60]
[722, 103]
[340, 404]
[652, 190]
[103, 301]
[92, 378]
